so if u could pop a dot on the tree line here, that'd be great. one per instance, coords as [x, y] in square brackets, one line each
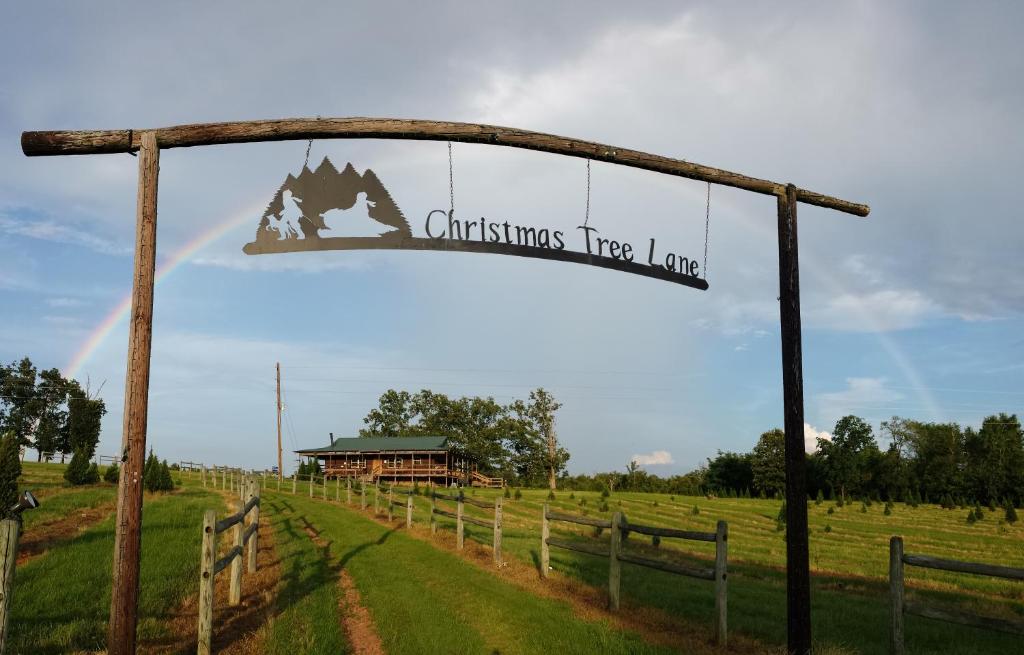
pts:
[41, 409]
[517, 441]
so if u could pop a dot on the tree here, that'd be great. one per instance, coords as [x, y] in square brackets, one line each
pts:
[112, 474]
[51, 414]
[77, 471]
[937, 457]
[18, 396]
[845, 457]
[392, 417]
[768, 462]
[541, 411]
[10, 470]
[729, 471]
[85, 419]
[994, 458]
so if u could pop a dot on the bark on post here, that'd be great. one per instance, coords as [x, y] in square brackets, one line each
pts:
[207, 559]
[460, 527]
[376, 499]
[235, 589]
[798, 578]
[10, 530]
[253, 545]
[896, 595]
[295, 479]
[124, 601]
[408, 512]
[614, 566]
[497, 531]
[721, 583]
[545, 532]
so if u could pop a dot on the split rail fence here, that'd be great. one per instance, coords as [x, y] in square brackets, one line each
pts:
[245, 544]
[900, 606]
[461, 518]
[619, 530]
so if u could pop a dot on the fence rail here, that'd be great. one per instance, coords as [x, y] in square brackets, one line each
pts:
[616, 554]
[461, 518]
[899, 606]
[245, 543]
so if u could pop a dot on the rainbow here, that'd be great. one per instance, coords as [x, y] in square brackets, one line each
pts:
[120, 311]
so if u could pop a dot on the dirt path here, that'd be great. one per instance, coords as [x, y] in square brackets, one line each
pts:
[237, 630]
[41, 538]
[356, 622]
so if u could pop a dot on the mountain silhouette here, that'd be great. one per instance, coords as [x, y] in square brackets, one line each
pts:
[318, 192]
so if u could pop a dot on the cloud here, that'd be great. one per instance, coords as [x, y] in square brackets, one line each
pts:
[811, 436]
[65, 302]
[50, 230]
[656, 458]
[863, 395]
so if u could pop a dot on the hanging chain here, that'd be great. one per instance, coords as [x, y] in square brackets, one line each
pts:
[309, 145]
[586, 216]
[707, 226]
[451, 182]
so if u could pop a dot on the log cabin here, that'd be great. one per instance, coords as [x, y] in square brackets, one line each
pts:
[432, 461]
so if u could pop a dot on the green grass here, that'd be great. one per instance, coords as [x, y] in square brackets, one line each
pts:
[57, 498]
[424, 599]
[850, 601]
[61, 599]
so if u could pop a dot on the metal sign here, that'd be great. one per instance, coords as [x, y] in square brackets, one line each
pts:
[319, 210]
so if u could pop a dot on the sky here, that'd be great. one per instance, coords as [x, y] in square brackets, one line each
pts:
[913, 108]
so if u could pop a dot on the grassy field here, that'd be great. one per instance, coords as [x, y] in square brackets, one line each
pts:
[850, 563]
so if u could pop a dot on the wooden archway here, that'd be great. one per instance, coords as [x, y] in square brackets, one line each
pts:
[148, 143]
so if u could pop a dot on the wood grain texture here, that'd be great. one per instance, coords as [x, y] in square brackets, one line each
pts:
[993, 570]
[668, 567]
[42, 143]
[128, 529]
[896, 597]
[10, 531]
[669, 532]
[545, 534]
[722, 584]
[953, 616]
[207, 560]
[580, 520]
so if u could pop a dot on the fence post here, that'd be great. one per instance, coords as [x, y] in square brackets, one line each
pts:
[376, 498]
[325, 486]
[203, 476]
[311, 485]
[460, 531]
[896, 595]
[721, 582]
[295, 477]
[279, 474]
[497, 531]
[235, 590]
[10, 530]
[391, 507]
[253, 544]
[231, 480]
[545, 532]
[614, 566]
[362, 492]
[408, 512]
[207, 558]
[337, 489]
[433, 517]
[348, 490]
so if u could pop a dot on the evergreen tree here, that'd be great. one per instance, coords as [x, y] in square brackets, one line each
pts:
[1011, 513]
[151, 473]
[10, 470]
[166, 482]
[112, 474]
[820, 498]
[92, 474]
[78, 470]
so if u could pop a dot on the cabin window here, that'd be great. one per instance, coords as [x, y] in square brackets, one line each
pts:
[393, 463]
[357, 463]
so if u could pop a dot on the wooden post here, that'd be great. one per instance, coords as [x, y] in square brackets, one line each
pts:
[348, 490]
[433, 517]
[896, 595]
[391, 512]
[253, 545]
[376, 499]
[497, 531]
[295, 478]
[460, 533]
[614, 566]
[325, 485]
[310, 485]
[235, 590]
[408, 512]
[124, 601]
[337, 489]
[280, 463]
[207, 558]
[203, 476]
[10, 530]
[545, 532]
[798, 574]
[362, 491]
[721, 583]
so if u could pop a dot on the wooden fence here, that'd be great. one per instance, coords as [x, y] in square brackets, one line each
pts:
[461, 518]
[616, 554]
[245, 543]
[223, 477]
[899, 606]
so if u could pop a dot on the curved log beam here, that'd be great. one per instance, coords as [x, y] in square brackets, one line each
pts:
[35, 144]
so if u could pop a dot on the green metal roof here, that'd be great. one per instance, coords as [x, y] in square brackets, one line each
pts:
[380, 444]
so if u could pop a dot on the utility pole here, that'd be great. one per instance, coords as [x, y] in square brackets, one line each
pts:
[280, 469]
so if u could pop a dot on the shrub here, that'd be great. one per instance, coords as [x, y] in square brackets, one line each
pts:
[604, 492]
[863, 508]
[92, 474]
[78, 470]
[978, 514]
[831, 510]
[603, 507]
[156, 475]
[820, 498]
[656, 541]
[1011, 513]
[10, 469]
[551, 495]
[971, 518]
[888, 509]
[508, 492]
[839, 501]
[781, 518]
[828, 528]
[112, 474]
[695, 511]
[518, 494]
[166, 483]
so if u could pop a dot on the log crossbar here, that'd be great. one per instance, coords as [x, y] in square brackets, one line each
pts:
[616, 554]
[227, 559]
[899, 606]
[89, 142]
[461, 519]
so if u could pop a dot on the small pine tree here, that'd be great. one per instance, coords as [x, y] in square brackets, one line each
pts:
[831, 510]
[77, 471]
[518, 494]
[978, 514]
[971, 518]
[781, 518]
[166, 482]
[695, 511]
[508, 492]
[820, 498]
[1011, 513]
[551, 495]
[828, 528]
[863, 508]
[112, 474]
[888, 509]
[151, 473]
[92, 474]
[839, 501]
[10, 470]
[604, 492]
